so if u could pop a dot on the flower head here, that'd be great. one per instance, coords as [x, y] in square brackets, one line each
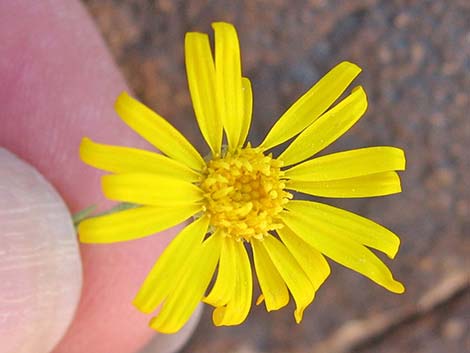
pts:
[242, 196]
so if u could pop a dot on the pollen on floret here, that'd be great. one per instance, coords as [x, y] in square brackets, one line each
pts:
[244, 193]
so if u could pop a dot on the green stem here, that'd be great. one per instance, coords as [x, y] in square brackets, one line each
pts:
[89, 212]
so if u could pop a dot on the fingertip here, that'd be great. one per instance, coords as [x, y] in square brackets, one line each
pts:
[67, 92]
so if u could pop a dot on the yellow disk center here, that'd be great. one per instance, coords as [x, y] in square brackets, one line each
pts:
[244, 193]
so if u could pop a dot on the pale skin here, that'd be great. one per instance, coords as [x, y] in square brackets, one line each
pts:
[58, 84]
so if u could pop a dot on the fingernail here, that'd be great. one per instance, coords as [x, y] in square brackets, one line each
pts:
[40, 266]
[162, 343]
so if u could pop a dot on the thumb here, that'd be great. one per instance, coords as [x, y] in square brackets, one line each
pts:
[40, 263]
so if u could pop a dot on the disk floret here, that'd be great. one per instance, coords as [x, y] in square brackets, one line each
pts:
[244, 193]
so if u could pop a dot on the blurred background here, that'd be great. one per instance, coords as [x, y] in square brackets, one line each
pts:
[415, 57]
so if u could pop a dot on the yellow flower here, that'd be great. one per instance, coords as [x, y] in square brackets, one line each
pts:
[241, 195]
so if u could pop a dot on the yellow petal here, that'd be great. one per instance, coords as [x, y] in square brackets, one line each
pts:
[349, 164]
[236, 311]
[329, 127]
[297, 281]
[340, 247]
[248, 109]
[353, 226]
[150, 189]
[379, 184]
[157, 131]
[170, 266]
[312, 104]
[310, 259]
[224, 286]
[201, 79]
[132, 224]
[272, 285]
[183, 300]
[229, 81]
[119, 159]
